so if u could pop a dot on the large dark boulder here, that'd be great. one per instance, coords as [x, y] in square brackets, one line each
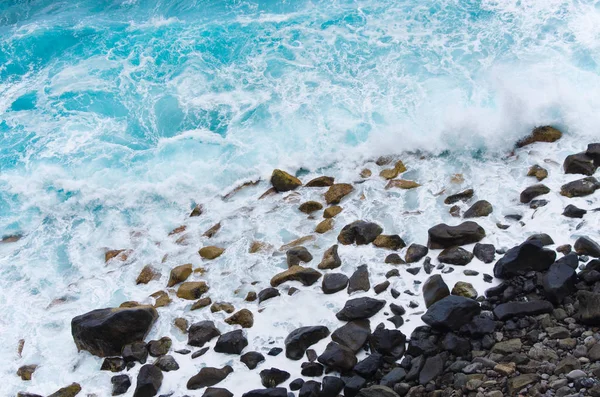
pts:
[580, 187]
[104, 332]
[587, 246]
[368, 366]
[302, 338]
[208, 376]
[331, 386]
[579, 163]
[484, 252]
[589, 307]
[531, 255]
[451, 313]
[509, 310]
[455, 256]
[443, 236]
[434, 289]
[434, 366]
[334, 282]
[559, 282]
[338, 357]
[533, 191]
[353, 335]
[359, 232]
[415, 253]
[359, 281]
[232, 342]
[201, 332]
[360, 308]
[272, 392]
[283, 182]
[479, 209]
[149, 381]
[389, 342]
[273, 377]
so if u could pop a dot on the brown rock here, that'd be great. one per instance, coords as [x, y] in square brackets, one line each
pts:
[69, 391]
[306, 276]
[324, 226]
[257, 246]
[179, 274]
[213, 230]
[161, 299]
[269, 192]
[251, 296]
[321, 181]
[537, 171]
[201, 303]
[391, 173]
[541, 134]
[178, 230]
[283, 182]
[211, 252]
[26, 371]
[402, 184]
[130, 304]
[337, 192]
[392, 242]
[297, 242]
[197, 211]
[222, 306]
[244, 317]
[182, 324]
[331, 259]
[120, 255]
[332, 211]
[147, 274]
[310, 206]
[365, 173]
[192, 290]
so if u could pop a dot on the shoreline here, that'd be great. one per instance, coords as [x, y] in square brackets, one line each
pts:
[274, 319]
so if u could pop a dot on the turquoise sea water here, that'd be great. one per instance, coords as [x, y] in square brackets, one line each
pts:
[117, 115]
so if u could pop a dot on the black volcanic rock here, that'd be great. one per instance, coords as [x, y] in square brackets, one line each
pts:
[533, 191]
[559, 282]
[302, 338]
[509, 310]
[443, 236]
[208, 376]
[334, 282]
[359, 232]
[338, 357]
[360, 308]
[353, 335]
[530, 255]
[202, 332]
[104, 332]
[149, 380]
[434, 289]
[232, 342]
[452, 312]
[455, 256]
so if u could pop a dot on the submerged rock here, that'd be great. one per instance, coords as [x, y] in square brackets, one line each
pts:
[443, 236]
[284, 182]
[104, 332]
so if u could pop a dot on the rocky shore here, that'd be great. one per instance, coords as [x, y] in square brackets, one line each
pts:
[524, 322]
